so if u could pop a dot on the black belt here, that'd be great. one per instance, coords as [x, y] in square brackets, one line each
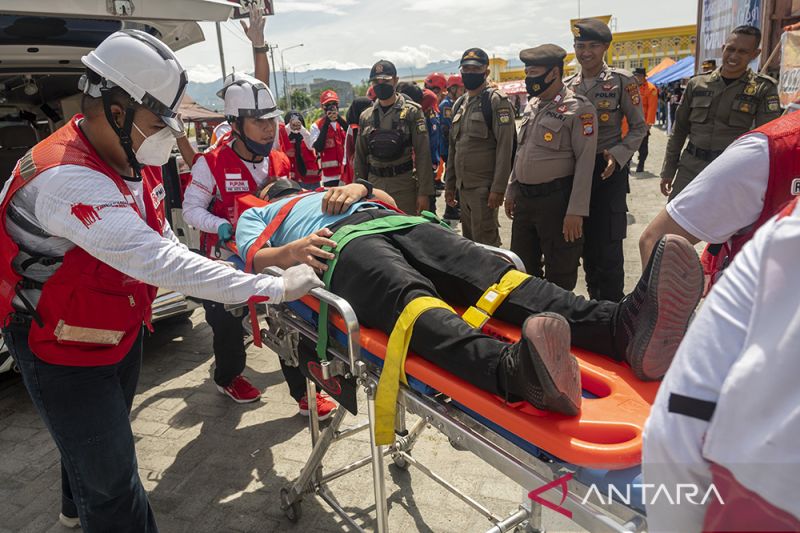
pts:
[693, 407]
[705, 155]
[390, 172]
[543, 189]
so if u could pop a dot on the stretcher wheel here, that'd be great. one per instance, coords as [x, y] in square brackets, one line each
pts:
[400, 462]
[293, 510]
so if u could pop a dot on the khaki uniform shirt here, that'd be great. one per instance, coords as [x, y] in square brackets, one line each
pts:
[412, 121]
[615, 95]
[480, 156]
[558, 138]
[712, 114]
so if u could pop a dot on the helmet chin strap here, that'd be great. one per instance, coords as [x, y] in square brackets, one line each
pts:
[124, 133]
[241, 136]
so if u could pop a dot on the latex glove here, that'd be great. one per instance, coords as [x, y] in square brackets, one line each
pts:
[298, 281]
[225, 232]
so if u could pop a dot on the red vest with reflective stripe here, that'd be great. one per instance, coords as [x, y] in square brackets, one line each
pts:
[783, 136]
[233, 179]
[309, 158]
[90, 313]
[333, 153]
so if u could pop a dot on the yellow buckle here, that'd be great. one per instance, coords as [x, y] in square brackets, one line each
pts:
[477, 315]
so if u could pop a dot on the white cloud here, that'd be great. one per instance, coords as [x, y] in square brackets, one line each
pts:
[332, 64]
[415, 56]
[204, 73]
[331, 7]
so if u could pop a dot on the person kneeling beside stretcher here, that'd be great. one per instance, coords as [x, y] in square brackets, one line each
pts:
[397, 260]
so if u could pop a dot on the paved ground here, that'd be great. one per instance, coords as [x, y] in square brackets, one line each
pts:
[214, 466]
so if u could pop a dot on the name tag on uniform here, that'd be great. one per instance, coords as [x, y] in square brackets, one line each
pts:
[234, 182]
[158, 194]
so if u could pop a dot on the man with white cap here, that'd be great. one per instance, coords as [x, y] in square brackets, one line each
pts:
[83, 244]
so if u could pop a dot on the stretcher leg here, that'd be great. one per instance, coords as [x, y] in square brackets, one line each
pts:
[381, 513]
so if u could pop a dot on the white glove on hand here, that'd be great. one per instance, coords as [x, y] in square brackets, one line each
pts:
[298, 281]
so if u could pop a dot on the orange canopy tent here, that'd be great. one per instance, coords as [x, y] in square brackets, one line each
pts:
[665, 63]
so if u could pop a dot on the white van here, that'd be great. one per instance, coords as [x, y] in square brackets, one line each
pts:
[41, 45]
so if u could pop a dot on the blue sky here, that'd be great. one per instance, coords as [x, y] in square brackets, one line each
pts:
[356, 33]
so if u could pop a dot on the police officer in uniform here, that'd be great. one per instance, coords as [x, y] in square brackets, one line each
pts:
[481, 150]
[392, 135]
[717, 108]
[551, 183]
[615, 95]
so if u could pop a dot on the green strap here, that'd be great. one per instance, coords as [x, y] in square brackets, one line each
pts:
[342, 238]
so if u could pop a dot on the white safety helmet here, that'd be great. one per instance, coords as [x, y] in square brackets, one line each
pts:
[143, 67]
[247, 97]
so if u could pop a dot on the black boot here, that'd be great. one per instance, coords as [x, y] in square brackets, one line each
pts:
[652, 320]
[540, 368]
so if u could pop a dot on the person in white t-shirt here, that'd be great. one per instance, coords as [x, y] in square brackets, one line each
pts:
[727, 411]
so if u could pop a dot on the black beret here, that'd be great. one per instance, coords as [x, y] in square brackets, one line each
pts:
[591, 30]
[546, 55]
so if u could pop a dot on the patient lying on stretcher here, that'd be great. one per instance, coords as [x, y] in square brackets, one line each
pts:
[379, 274]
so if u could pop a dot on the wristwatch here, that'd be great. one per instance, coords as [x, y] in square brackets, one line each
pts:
[369, 187]
[261, 49]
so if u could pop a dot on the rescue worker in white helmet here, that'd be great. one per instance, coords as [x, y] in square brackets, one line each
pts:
[242, 162]
[83, 244]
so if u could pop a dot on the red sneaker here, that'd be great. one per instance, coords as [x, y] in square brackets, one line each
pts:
[240, 390]
[325, 407]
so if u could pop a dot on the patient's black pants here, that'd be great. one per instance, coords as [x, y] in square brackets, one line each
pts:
[380, 274]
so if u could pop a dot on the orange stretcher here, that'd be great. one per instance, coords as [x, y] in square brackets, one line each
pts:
[607, 434]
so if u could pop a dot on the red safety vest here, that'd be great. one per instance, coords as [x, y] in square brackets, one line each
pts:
[233, 179]
[783, 135]
[89, 313]
[308, 155]
[333, 153]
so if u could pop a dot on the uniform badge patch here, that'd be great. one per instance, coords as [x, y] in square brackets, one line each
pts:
[604, 117]
[635, 99]
[448, 112]
[403, 113]
[548, 136]
[603, 104]
[504, 116]
[421, 126]
[562, 108]
[773, 103]
[744, 107]
[750, 89]
[587, 117]
[158, 194]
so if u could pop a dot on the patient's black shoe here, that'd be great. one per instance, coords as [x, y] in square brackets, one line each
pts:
[540, 368]
[652, 320]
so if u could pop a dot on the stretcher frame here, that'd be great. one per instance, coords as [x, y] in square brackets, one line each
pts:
[464, 433]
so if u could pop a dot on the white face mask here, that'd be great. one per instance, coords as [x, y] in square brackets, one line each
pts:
[155, 149]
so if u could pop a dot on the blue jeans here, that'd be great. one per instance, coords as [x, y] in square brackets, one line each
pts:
[86, 410]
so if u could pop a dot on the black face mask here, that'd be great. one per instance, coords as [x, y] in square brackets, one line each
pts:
[473, 80]
[536, 85]
[383, 91]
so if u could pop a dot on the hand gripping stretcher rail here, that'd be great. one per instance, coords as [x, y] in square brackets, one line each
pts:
[599, 450]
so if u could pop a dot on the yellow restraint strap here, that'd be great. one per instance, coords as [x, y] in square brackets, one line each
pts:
[394, 366]
[477, 315]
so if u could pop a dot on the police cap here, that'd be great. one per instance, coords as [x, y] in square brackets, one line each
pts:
[591, 30]
[383, 70]
[546, 55]
[641, 71]
[474, 56]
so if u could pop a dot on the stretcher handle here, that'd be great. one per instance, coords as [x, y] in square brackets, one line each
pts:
[508, 255]
[344, 309]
